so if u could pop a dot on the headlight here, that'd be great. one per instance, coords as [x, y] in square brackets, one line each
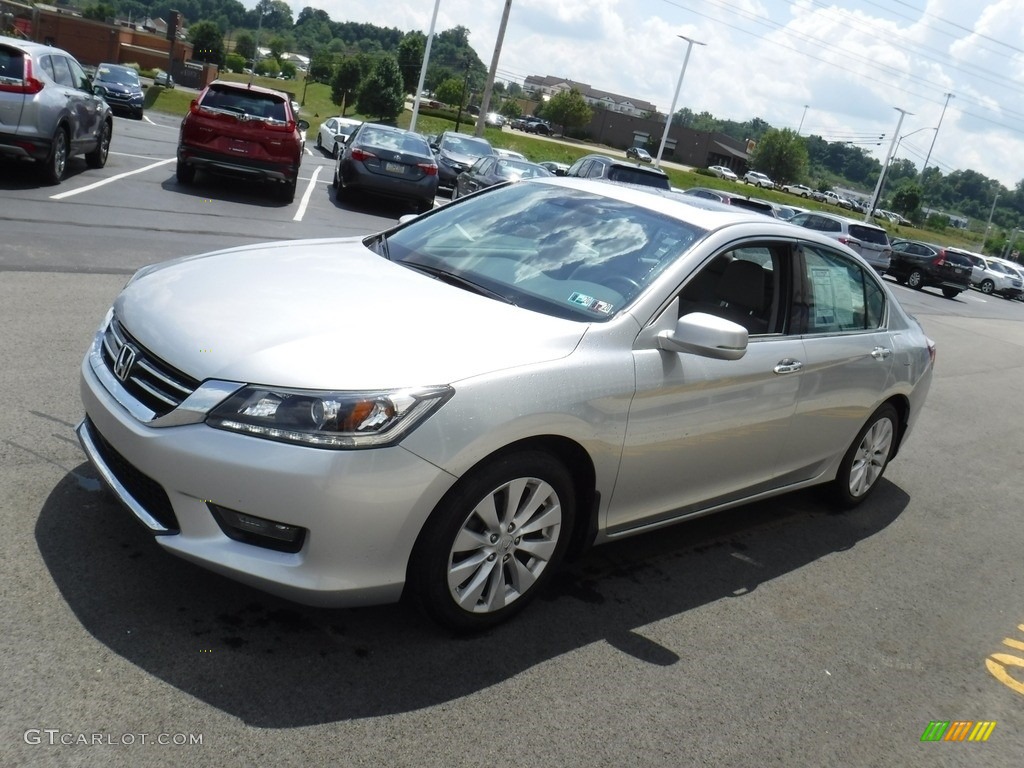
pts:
[327, 419]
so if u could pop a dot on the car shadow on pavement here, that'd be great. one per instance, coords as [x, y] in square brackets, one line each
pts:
[227, 189]
[276, 664]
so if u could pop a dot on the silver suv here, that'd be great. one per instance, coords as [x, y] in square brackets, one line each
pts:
[869, 240]
[48, 111]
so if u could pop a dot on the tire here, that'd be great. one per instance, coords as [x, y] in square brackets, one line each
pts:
[455, 192]
[286, 192]
[950, 293]
[471, 570]
[57, 162]
[987, 286]
[915, 279]
[185, 173]
[425, 205]
[98, 157]
[865, 461]
[335, 150]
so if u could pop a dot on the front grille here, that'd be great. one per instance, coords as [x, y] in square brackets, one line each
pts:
[144, 490]
[151, 381]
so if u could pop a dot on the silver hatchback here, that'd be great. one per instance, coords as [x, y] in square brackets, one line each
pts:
[448, 408]
[48, 111]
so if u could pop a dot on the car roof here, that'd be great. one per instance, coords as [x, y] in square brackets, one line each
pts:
[248, 87]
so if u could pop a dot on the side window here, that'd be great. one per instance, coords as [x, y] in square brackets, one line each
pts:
[744, 285]
[595, 169]
[47, 64]
[835, 294]
[484, 165]
[78, 76]
[831, 225]
[62, 71]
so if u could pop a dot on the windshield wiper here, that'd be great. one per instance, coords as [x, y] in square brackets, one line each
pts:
[458, 280]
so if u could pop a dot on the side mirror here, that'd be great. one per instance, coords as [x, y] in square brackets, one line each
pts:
[303, 125]
[706, 335]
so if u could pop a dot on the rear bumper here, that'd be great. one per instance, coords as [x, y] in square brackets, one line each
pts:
[230, 165]
[24, 147]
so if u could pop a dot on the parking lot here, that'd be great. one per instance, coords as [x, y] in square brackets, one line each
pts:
[778, 633]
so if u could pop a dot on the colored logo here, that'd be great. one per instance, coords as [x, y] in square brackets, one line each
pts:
[958, 730]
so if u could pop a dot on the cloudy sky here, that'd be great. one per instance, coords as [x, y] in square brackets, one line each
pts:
[850, 63]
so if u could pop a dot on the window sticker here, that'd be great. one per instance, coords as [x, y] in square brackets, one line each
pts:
[589, 302]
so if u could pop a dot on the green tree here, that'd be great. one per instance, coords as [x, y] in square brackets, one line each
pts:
[410, 59]
[511, 109]
[288, 69]
[450, 92]
[277, 46]
[568, 109]
[381, 93]
[321, 67]
[245, 46]
[234, 62]
[207, 42]
[907, 198]
[346, 82]
[99, 12]
[781, 154]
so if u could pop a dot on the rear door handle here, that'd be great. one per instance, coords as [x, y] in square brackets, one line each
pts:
[789, 365]
[881, 353]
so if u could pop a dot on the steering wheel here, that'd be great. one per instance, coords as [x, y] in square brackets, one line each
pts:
[618, 282]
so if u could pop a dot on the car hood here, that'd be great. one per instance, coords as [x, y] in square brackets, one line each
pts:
[328, 314]
[121, 88]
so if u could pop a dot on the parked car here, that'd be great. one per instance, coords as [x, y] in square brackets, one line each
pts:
[723, 172]
[919, 265]
[801, 190]
[243, 131]
[538, 126]
[639, 154]
[869, 240]
[447, 408]
[389, 162]
[510, 153]
[834, 198]
[990, 276]
[1017, 268]
[488, 171]
[758, 179]
[494, 119]
[333, 132]
[48, 111]
[558, 169]
[455, 153]
[163, 78]
[121, 88]
[731, 198]
[618, 170]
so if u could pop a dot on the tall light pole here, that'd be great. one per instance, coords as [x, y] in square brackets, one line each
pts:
[423, 68]
[485, 100]
[989, 225]
[690, 42]
[801, 126]
[885, 165]
[924, 168]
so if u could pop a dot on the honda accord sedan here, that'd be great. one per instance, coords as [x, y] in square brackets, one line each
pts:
[447, 409]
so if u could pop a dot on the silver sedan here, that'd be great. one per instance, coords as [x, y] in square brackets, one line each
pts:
[446, 409]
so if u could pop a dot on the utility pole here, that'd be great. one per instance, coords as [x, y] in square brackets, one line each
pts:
[927, 157]
[423, 68]
[485, 102]
[989, 225]
[465, 86]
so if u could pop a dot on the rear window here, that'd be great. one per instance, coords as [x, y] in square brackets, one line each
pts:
[957, 259]
[395, 141]
[12, 65]
[753, 205]
[633, 175]
[245, 102]
[869, 234]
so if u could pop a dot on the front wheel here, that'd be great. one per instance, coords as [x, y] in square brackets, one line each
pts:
[867, 458]
[493, 541]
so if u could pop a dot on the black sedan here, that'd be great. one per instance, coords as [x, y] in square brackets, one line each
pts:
[488, 171]
[390, 162]
[918, 265]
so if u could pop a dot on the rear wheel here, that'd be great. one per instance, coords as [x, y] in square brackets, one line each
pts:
[319, 143]
[287, 190]
[185, 173]
[494, 541]
[867, 458]
[950, 293]
[57, 163]
[915, 279]
[98, 157]
[424, 205]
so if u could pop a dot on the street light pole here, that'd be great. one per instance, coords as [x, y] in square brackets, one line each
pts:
[423, 68]
[801, 126]
[668, 122]
[989, 225]
[885, 165]
[924, 168]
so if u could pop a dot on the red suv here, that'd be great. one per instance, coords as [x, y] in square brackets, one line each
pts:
[244, 131]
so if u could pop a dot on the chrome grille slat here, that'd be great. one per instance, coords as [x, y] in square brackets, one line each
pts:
[153, 383]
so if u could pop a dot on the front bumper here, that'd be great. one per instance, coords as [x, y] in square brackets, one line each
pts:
[362, 510]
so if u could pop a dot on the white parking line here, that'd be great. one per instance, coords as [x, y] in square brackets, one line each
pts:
[118, 177]
[308, 194]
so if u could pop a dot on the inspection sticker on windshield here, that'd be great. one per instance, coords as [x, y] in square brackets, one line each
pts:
[590, 303]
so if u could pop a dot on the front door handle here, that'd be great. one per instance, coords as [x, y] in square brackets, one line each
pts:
[881, 353]
[789, 365]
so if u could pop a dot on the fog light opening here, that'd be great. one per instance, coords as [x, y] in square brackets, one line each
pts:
[258, 531]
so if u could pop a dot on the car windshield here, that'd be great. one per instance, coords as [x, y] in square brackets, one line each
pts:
[997, 267]
[118, 75]
[511, 169]
[466, 145]
[551, 249]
